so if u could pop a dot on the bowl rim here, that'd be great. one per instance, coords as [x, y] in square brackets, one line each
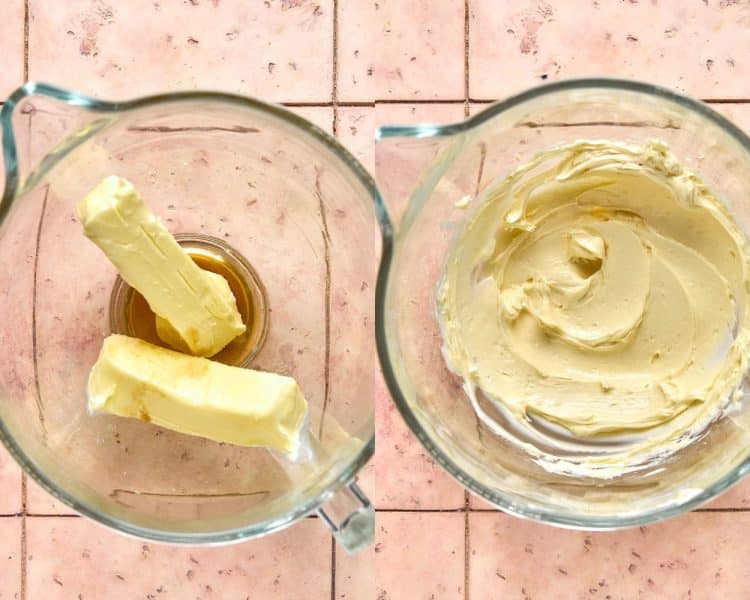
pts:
[568, 520]
[348, 470]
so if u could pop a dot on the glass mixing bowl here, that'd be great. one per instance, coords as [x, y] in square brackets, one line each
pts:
[248, 177]
[428, 173]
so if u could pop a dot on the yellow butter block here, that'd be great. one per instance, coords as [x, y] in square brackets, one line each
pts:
[197, 305]
[197, 396]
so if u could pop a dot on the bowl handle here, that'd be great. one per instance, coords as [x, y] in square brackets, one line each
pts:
[350, 516]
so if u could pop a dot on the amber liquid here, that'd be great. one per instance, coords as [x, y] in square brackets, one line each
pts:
[141, 321]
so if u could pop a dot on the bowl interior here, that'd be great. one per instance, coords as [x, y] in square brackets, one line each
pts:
[460, 167]
[281, 194]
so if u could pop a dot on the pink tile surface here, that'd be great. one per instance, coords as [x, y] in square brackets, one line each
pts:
[477, 503]
[738, 496]
[282, 50]
[405, 474]
[10, 558]
[10, 484]
[356, 130]
[739, 114]
[322, 116]
[406, 477]
[39, 502]
[700, 48]
[276, 50]
[397, 172]
[700, 555]
[356, 576]
[359, 24]
[420, 555]
[394, 50]
[349, 220]
[11, 46]
[72, 558]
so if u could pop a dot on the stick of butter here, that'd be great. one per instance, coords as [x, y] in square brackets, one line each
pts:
[198, 305]
[197, 396]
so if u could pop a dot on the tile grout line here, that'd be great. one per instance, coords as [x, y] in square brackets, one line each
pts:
[24, 480]
[380, 510]
[26, 21]
[335, 67]
[726, 100]
[40, 406]
[24, 556]
[467, 553]
[421, 101]
[720, 510]
[327, 298]
[53, 516]
[328, 104]
[24, 547]
[469, 509]
[467, 15]
[428, 511]
[706, 100]
[334, 131]
[333, 568]
[467, 111]
[422, 510]
[695, 510]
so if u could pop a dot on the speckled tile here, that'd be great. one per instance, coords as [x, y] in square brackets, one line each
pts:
[18, 405]
[74, 558]
[10, 484]
[737, 496]
[406, 477]
[366, 477]
[739, 114]
[701, 48]
[359, 24]
[346, 217]
[274, 50]
[10, 558]
[356, 130]
[700, 555]
[420, 556]
[391, 50]
[356, 576]
[397, 171]
[477, 503]
[322, 116]
[39, 502]
[11, 47]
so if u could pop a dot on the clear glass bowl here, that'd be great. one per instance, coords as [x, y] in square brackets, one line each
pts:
[282, 194]
[423, 171]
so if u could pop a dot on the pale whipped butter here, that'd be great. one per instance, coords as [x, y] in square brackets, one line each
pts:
[197, 396]
[197, 310]
[599, 294]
